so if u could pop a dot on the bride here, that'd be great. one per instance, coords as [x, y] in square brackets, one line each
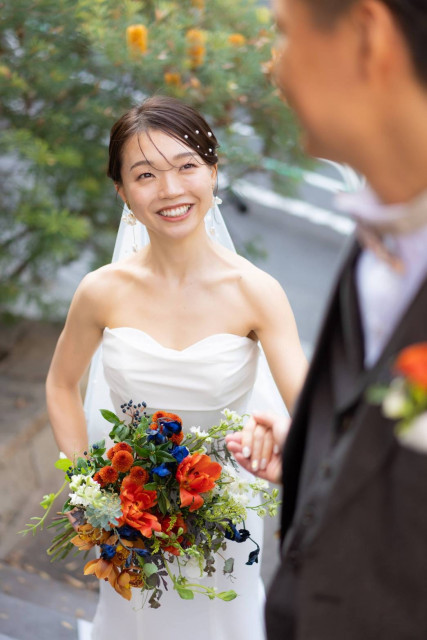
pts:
[180, 321]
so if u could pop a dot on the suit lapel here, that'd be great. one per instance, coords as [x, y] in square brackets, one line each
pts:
[372, 437]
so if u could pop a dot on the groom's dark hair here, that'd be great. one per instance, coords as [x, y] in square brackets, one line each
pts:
[410, 15]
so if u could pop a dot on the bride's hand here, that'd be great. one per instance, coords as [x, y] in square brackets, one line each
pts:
[257, 448]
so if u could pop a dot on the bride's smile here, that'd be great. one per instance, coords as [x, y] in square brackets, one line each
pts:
[166, 183]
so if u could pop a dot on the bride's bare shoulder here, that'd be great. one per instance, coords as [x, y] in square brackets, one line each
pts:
[106, 279]
[251, 278]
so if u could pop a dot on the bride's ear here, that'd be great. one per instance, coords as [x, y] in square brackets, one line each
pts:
[120, 191]
[214, 173]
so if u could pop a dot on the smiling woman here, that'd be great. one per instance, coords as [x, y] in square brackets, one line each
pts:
[179, 322]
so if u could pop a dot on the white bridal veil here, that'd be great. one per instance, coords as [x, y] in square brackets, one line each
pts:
[132, 236]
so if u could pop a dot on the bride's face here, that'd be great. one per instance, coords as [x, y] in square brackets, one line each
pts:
[168, 186]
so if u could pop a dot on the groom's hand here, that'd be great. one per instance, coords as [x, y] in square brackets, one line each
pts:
[257, 448]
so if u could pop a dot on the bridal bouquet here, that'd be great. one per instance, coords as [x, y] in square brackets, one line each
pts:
[159, 505]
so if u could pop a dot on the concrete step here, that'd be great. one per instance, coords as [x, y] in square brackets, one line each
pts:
[36, 607]
[42, 590]
[24, 620]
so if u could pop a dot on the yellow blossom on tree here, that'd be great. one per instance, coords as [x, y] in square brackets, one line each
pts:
[173, 79]
[196, 50]
[237, 39]
[199, 4]
[137, 38]
[263, 15]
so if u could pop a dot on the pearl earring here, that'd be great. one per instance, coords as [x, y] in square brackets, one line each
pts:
[128, 216]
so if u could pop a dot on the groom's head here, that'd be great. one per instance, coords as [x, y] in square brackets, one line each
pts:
[347, 67]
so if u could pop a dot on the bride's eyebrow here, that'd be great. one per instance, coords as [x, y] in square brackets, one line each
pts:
[179, 156]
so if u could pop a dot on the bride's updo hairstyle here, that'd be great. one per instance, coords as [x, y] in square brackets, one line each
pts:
[172, 117]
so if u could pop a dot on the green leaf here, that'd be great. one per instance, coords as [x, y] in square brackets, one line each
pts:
[150, 486]
[227, 595]
[164, 456]
[63, 464]
[228, 565]
[163, 503]
[110, 416]
[47, 500]
[149, 568]
[185, 594]
[142, 451]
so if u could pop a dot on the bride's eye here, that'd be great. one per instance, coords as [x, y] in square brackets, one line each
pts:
[189, 165]
[145, 175]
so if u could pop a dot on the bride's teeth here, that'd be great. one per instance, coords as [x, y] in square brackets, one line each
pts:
[174, 213]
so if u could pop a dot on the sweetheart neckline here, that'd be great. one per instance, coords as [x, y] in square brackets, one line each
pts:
[212, 335]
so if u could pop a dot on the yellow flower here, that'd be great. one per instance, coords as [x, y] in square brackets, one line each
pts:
[199, 4]
[173, 79]
[237, 39]
[196, 49]
[196, 36]
[263, 15]
[137, 38]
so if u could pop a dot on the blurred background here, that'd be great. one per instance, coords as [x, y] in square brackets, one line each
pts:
[68, 70]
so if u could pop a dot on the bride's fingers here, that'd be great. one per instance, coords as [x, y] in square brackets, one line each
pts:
[267, 450]
[247, 437]
[258, 440]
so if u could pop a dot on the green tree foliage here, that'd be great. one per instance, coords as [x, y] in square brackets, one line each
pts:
[69, 68]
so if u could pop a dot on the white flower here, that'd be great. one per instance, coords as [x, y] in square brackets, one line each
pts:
[192, 569]
[415, 436]
[85, 491]
[240, 498]
[231, 416]
[395, 400]
[198, 432]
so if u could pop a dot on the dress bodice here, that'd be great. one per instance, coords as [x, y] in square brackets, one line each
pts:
[197, 383]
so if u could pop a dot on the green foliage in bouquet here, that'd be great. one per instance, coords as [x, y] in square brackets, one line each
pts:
[69, 68]
[161, 505]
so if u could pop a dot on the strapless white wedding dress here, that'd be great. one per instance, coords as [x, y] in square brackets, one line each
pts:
[197, 383]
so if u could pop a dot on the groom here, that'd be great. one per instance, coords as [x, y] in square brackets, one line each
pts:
[354, 520]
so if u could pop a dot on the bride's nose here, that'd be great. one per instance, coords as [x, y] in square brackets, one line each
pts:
[170, 185]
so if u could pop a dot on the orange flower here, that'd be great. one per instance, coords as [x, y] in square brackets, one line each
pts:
[237, 39]
[135, 504]
[100, 567]
[122, 461]
[173, 79]
[139, 475]
[165, 522]
[98, 479]
[196, 50]
[121, 582]
[177, 438]
[199, 4]
[120, 446]
[137, 38]
[412, 363]
[88, 536]
[108, 475]
[196, 474]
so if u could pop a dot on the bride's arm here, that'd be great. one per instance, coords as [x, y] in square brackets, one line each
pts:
[277, 331]
[76, 345]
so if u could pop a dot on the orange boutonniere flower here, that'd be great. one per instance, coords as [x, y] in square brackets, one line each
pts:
[412, 363]
[196, 474]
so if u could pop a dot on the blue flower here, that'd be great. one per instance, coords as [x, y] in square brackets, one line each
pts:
[108, 551]
[253, 556]
[170, 427]
[155, 436]
[179, 453]
[128, 533]
[236, 535]
[161, 470]
[142, 552]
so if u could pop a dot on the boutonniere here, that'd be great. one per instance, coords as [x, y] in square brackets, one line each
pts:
[405, 399]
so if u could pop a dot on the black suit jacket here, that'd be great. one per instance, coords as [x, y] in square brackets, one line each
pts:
[354, 515]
